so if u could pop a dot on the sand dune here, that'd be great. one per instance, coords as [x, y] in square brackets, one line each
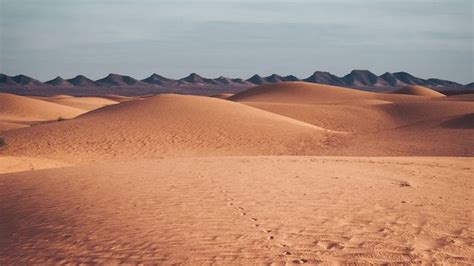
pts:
[222, 95]
[298, 92]
[120, 98]
[244, 211]
[461, 97]
[463, 121]
[399, 125]
[11, 164]
[343, 117]
[311, 93]
[9, 125]
[419, 91]
[167, 125]
[15, 108]
[347, 116]
[21, 111]
[175, 125]
[83, 103]
[175, 179]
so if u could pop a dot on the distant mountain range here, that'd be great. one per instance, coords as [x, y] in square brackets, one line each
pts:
[195, 84]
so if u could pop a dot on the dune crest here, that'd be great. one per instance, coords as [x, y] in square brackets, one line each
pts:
[83, 103]
[419, 91]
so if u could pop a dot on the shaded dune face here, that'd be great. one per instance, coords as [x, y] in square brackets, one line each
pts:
[464, 121]
[168, 125]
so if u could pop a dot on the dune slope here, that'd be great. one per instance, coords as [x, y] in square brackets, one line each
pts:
[383, 124]
[83, 103]
[368, 117]
[419, 91]
[15, 108]
[313, 93]
[298, 92]
[9, 125]
[167, 125]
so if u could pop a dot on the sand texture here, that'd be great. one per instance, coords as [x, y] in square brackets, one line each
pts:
[286, 173]
[244, 210]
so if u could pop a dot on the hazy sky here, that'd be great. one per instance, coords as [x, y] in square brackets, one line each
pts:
[236, 38]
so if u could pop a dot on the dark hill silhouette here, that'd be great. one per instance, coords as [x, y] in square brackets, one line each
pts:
[160, 80]
[81, 80]
[291, 78]
[411, 80]
[257, 79]
[58, 81]
[325, 78]
[195, 78]
[25, 80]
[442, 82]
[5, 79]
[196, 84]
[362, 78]
[117, 80]
[240, 81]
[274, 78]
[224, 80]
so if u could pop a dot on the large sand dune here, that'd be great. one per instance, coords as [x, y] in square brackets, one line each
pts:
[168, 125]
[245, 211]
[383, 124]
[362, 116]
[312, 93]
[174, 125]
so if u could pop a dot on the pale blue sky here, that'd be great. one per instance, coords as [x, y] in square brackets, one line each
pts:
[236, 38]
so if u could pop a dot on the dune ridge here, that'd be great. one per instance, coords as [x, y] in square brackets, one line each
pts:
[83, 103]
[168, 125]
[420, 91]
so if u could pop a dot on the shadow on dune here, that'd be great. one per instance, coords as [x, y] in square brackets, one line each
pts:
[464, 121]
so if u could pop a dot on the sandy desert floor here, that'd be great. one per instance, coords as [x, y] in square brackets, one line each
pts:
[292, 173]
